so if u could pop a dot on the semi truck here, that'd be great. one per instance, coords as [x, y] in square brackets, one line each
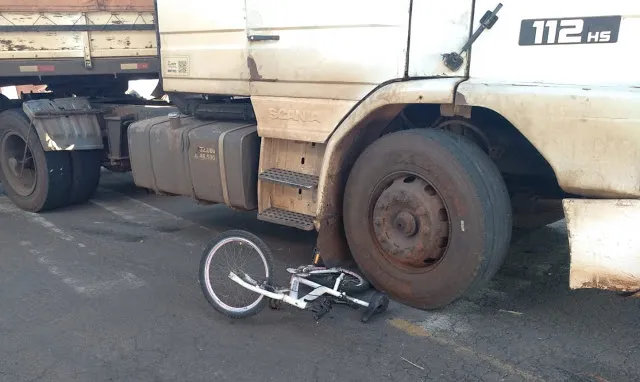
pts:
[80, 50]
[415, 137]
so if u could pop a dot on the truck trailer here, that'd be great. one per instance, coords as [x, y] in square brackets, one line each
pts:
[414, 136]
[81, 50]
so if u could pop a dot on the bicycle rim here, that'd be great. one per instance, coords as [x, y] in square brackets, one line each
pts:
[354, 279]
[215, 296]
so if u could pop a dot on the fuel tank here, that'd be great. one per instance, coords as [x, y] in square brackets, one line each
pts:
[213, 161]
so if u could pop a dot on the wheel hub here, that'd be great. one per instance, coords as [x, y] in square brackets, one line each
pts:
[411, 223]
[18, 164]
[406, 222]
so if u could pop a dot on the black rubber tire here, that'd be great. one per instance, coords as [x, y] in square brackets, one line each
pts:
[86, 166]
[53, 177]
[5, 102]
[203, 274]
[474, 194]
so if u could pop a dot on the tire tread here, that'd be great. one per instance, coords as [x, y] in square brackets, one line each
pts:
[57, 167]
[86, 170]
[486, 182]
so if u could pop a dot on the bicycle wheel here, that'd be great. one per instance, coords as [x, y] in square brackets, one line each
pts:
[354, 282]
[248, 257]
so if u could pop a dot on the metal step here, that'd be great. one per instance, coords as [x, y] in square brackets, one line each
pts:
[289, 178]
[288, 218]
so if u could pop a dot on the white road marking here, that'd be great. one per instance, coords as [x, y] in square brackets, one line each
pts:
[47, 224]
[115, 209]
[7, 207]
[125, 280]
[119, 207]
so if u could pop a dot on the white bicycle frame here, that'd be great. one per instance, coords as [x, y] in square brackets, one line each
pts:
[292, 296]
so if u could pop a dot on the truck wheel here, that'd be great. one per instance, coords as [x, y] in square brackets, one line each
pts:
[34, 179]
[427, 216]
[85, 166]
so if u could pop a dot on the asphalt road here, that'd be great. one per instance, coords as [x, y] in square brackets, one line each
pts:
[108, 291]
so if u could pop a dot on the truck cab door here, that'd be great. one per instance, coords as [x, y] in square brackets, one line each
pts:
[311, 61]
[331, 49]
[437, 28]
[203, 46]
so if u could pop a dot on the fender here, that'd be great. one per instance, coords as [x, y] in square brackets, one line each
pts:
[65, 123]
[378, 108]
[589, 135]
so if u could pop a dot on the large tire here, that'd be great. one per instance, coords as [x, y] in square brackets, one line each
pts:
[86, 166]
[49, 171]
[427, 216]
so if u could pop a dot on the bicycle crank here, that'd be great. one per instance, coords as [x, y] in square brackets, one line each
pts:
[320, 307]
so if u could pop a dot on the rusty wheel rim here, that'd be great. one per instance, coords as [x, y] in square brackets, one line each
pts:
[410, 222]
[18, 164]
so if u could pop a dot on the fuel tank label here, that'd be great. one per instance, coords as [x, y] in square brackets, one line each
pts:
[205, 153]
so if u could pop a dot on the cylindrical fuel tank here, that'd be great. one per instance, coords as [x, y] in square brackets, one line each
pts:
[215, 161]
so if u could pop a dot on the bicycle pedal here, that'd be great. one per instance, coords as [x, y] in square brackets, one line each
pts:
[275, 304]
[378, 303]
[268, 288]
[317, 260]
[320, 307]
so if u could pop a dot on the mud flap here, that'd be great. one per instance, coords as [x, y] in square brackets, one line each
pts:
[604, 243]
[65, 123]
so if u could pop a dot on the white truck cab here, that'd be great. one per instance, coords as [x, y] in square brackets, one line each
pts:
[351, 99]
[414, 136]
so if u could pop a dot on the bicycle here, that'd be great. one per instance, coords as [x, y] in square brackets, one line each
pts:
[330, 285]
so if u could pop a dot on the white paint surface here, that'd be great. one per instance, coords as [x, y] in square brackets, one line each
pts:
[321, 53]
[497, 56]
[349, 45]
[32, 45]
[604, 243]
[207, 41]
[438, 27]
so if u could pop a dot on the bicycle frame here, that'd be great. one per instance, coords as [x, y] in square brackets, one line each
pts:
[292, 296]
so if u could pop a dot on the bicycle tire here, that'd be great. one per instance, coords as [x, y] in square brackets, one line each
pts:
[204, 277]
[329, 280]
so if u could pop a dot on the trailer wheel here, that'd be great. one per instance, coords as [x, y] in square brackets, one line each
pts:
[34, 179]
[85, 168]
[427, 216]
